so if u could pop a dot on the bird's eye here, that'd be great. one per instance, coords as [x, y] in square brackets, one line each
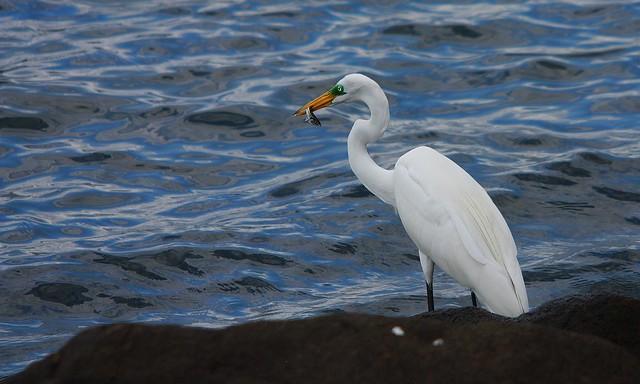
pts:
[337, 90]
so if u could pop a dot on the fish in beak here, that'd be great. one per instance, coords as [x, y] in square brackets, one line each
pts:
[311, 118]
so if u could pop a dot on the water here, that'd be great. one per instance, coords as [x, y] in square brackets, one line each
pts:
[150, 170]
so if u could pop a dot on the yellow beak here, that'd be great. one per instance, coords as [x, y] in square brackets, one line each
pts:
[319, 102]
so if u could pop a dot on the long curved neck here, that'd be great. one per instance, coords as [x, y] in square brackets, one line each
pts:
[377, 179]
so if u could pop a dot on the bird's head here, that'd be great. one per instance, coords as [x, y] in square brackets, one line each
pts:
[345, 90]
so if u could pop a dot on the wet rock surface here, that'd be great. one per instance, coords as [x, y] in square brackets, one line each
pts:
[586, 339]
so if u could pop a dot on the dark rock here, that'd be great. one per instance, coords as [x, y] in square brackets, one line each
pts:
[614, 318]
[465, 315]
[573, 340]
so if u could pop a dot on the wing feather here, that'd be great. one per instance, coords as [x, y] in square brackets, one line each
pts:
[477, 221]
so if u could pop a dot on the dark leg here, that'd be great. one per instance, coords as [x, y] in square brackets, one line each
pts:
[474, 300]
[430, 306]
[427, 269]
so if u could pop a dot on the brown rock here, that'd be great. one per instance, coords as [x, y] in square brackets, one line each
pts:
[614, 318]
[351, 348]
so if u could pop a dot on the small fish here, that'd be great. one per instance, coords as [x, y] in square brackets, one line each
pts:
[311, 118]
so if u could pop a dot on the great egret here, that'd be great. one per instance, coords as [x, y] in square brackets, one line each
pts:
[446, 213]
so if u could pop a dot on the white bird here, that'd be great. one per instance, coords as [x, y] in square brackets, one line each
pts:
[448, 215]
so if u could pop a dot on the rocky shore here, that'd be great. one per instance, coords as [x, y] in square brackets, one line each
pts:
[593, 339]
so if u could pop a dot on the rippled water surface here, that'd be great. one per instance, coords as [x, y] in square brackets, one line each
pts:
[150, 169]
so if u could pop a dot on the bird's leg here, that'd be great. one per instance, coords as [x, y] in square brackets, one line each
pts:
[474, 300]
[430, 306]
[427, 269]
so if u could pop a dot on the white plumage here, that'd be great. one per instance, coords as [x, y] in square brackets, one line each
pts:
[455, 224]
[448, 215]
